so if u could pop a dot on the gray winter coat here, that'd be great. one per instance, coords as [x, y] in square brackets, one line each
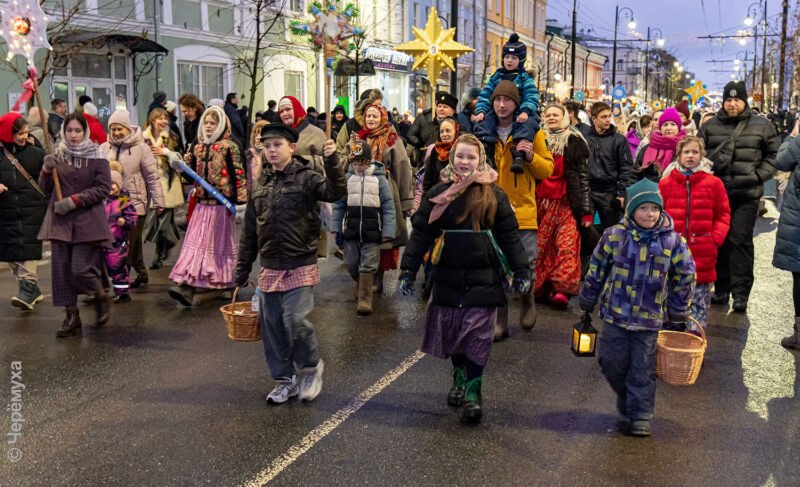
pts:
[787, 240]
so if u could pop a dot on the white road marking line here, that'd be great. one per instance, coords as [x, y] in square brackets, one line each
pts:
[298, 449]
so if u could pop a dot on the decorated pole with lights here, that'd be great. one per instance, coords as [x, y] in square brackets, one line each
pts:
[434, 48]
[330, 31]
[23, 25]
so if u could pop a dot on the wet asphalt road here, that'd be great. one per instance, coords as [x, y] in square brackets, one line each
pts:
[162, 397]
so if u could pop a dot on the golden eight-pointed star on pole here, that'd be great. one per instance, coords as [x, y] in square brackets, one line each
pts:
[696, 90]
[434, 48]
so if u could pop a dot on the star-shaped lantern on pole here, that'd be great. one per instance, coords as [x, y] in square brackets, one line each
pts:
[24, 28]
[434, 48]
[696, 91]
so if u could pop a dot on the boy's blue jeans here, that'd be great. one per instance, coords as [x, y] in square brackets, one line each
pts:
[628, 361]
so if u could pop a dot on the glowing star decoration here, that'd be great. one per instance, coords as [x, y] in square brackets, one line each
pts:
[697, 90]
[24, 28]
[331, 26]
[657, 105]
[434, 48]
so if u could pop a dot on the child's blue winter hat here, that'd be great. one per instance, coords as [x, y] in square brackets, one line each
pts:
[645, 191]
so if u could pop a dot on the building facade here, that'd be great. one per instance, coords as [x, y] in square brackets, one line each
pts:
[528, 18]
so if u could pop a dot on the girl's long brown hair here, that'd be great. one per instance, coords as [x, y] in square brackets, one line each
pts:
[481, 202]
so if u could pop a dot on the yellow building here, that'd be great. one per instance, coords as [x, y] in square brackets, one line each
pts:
[525, 17]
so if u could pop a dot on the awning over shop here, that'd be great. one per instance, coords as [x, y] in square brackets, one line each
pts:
[389, 60]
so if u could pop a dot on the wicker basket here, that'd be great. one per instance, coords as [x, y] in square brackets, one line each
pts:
[680, 356]
[241, 320]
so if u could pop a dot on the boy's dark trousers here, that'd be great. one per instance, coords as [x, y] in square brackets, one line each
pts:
[608, 207]
[628, 361]
[486, 129]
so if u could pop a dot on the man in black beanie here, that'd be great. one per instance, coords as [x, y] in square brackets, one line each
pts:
[159, 101]
[742, 147]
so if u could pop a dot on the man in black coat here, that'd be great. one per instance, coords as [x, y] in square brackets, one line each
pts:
[743, 147]
[425, 129]
[232, 111]
[271, 115]
[610, 166]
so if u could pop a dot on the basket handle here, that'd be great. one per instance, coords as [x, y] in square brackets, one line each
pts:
[700, 328]
[236, 291]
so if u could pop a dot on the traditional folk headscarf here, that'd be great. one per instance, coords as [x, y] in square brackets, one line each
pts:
[85, 149]
[443, 148]
[223, 128]
[557, 139]
[483, 174]
[382, 137]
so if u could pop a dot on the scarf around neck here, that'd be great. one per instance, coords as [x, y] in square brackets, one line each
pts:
[483, 174]
[443, 148]
[85, 149]
[382, 137]
[661, 149]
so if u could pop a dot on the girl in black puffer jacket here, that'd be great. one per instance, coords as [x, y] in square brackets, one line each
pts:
[22, 208]
[474, 221]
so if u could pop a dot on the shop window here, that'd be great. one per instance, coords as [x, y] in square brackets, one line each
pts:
[293, 84]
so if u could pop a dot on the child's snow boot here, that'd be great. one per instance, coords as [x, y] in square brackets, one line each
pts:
[473, 406]
[365, 293]
[793, 341]
[29, 294]
[640, 427]
[455, 397]
[527, 312]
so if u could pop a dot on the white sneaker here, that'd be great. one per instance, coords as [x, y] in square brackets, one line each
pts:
[311, 381]
[283, 391]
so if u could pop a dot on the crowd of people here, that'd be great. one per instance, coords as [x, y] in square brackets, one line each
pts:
[650, 215]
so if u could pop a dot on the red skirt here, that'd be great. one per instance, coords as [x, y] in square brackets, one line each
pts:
[389, 259]
[558, 265]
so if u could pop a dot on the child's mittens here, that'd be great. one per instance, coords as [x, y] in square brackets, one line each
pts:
[674, 326]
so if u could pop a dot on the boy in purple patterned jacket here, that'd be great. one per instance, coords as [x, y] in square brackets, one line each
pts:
[121, 216]
[645, 274]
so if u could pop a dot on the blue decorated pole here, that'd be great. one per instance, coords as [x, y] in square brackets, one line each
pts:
[211, 190]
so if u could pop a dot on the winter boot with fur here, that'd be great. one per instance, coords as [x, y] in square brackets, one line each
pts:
[527, 312]
[501, 325]
[793, 341]
[29, 294]
[365, 294]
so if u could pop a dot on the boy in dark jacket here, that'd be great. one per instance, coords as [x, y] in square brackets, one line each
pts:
[645, 274]
[527, 122]
[282, 226]
[364, 219]
[610, 165]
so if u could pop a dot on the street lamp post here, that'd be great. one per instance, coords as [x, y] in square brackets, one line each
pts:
[631, 25]
[660, 43]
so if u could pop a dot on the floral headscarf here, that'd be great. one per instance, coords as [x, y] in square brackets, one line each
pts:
[483, 174]
[382, 137]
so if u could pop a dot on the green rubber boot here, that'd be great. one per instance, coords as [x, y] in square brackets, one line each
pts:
[455, 397]
[473, 410]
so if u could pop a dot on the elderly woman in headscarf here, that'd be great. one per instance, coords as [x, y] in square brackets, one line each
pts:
[473, 219]
[562, 203]
[388, 148]
[76, 224]
[209, 252]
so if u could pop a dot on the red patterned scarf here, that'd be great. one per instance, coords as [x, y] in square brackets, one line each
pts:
[382, 137]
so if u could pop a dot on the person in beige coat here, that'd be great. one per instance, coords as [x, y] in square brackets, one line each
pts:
[127, 145]
[309, 147]
[387, 148]
[164, 146]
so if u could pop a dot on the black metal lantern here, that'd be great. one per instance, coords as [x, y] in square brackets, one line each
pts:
[584, 337]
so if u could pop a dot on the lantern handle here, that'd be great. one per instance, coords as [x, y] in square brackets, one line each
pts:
[586, 318]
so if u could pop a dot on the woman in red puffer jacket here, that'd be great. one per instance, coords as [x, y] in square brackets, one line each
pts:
[698, 204]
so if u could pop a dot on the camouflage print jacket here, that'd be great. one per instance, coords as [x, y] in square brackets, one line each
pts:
[642, 277]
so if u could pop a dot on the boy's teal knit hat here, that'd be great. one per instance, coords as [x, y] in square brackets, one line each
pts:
[645, 191]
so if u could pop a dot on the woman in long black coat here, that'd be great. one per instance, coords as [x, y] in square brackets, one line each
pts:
[22, 208]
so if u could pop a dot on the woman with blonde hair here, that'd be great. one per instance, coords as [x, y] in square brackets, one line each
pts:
[164, 144]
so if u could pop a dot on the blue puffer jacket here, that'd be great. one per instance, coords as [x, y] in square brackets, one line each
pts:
[643, 277]
[787, 240]
[528, 93]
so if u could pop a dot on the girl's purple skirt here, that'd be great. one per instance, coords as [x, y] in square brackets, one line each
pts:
[459, 331]
[209, 252]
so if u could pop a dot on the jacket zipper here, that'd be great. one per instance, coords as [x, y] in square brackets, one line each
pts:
[688, 208]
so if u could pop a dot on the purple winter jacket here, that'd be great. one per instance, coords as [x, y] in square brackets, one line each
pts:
[633, 141]
[90, 181]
